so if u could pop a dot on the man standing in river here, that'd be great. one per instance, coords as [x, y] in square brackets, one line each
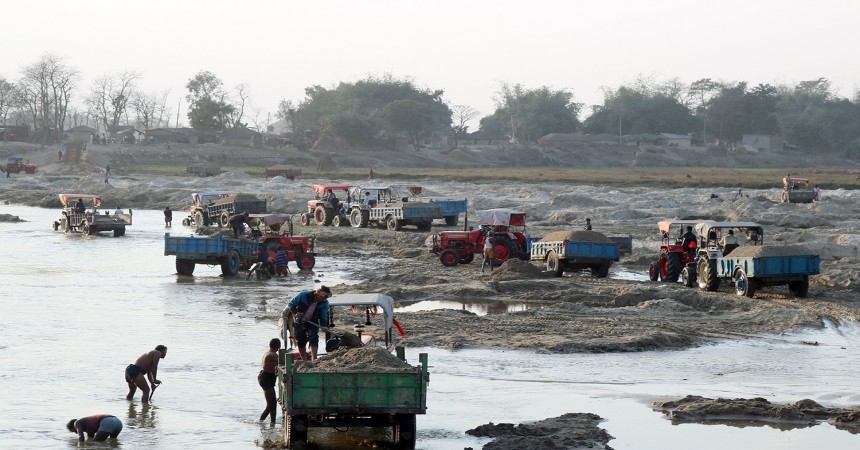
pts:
[268, 377]
[146, 367]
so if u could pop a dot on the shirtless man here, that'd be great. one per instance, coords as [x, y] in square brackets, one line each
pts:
[268, 377]
[145, 367]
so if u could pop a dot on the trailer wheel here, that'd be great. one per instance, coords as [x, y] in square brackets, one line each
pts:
[688, 276]
[297, 428]
[393, 224]
[306, 261]
[117, 232]
[359, 218]
[600, 270]
[184, 266]
[230, 264]
[799, 288]
[654, 271]
[707, 275]
[467, 258]
[743, 285]
[404, 431]
[553, 265]
[451, 220]
[673, 267]
[306, 219]
[225, 219]
[450, 257]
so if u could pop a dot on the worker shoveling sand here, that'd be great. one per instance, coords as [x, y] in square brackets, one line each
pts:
[376, 359]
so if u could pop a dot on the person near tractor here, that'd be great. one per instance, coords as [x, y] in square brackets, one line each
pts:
[98, 427]
[79, 206]
[688, 241]
[281, 262]
[729, 242]
[117, 210]
[237, 222]
[268, 377]
[370, 200]
[587, 224]
[335, 202]
[489, 250]
[263, 266]
[144, 367]
[309, 309]
[817, 191]
[168, 217]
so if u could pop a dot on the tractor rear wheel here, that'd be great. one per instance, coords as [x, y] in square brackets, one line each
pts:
[743, 285]
[323, 216]
[337, 221]
[504, 250]
[707, 275]
[799, 289]
[359, 218]
[184, 266]
[673, 267]
[467, 258]
[553, 264]
[450, 257]
[306, 261]
[688, 276]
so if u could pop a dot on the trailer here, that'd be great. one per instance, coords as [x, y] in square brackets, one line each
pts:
[750, 265]
[231, 254]
[215, 208]
[451, 209]
[365, 397]
[567, 255]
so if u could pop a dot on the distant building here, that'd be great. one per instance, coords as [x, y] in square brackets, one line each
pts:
[81, 133]
[563, 140]
[762, 142]
[242, 137]
[181, 135]
[677, 140]
[483, 138]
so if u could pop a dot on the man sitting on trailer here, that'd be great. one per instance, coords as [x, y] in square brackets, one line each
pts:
[238, 221]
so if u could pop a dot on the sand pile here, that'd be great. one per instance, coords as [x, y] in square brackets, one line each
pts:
[364, 359]
[764, 250]
[516, 268]
[578, 236]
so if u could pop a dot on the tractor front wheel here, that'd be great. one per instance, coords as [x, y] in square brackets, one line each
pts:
[654, 271]
[306, 261]
[449, 257]
[688, 276]
[306, 219]
[359, 218]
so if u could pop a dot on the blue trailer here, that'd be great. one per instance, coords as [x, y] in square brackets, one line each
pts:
[231, 254]
[750, 265]
[451, 209]
[568, 256]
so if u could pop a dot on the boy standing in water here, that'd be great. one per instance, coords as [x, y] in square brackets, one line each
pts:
[146, 366]
[268, 377]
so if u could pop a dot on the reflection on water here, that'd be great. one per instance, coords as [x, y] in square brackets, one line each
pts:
[480, 309]
[73, 321]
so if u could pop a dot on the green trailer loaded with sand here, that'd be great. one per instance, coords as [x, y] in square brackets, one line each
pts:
[362, 384]
[567, 251]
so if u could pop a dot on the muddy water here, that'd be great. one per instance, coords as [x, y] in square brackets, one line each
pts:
[76, 310]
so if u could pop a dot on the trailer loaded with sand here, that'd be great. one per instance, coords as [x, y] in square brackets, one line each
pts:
[568, 251]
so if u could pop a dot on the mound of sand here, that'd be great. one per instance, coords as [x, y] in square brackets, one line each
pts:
[516, 268]
[363, 359]
[764, 250]
[577, 236]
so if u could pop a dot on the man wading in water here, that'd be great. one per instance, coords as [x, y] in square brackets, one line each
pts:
[145, 367]
[268, 377]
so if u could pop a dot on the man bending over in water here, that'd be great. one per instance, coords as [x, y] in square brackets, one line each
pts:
[145, 367]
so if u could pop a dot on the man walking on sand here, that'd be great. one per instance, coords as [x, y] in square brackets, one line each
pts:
[145, 367]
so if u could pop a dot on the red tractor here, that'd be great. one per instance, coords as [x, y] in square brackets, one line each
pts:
[326, 208]
[677, 257]
[16, 164]
[508, 230]
[276, 230]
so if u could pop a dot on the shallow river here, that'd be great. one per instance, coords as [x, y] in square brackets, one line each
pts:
[76, 310]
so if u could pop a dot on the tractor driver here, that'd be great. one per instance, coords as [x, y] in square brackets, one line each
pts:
[688, 241]
[370, 200]
[79, 206]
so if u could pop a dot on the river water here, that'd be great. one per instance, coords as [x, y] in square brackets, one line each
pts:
[76, 310]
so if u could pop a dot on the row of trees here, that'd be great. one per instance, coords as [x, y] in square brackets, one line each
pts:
[808, 114]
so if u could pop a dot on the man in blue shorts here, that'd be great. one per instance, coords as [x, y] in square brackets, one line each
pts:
[97, 428]
[309, 308]
[146, 366]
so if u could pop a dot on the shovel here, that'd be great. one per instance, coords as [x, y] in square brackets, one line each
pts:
[151, 393]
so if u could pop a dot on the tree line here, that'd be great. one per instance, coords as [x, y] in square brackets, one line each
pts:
[810, 115]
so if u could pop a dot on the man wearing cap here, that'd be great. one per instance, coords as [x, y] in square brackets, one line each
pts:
[310, 309]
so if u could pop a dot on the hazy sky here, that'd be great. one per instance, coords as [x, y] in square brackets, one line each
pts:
[468, 48]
